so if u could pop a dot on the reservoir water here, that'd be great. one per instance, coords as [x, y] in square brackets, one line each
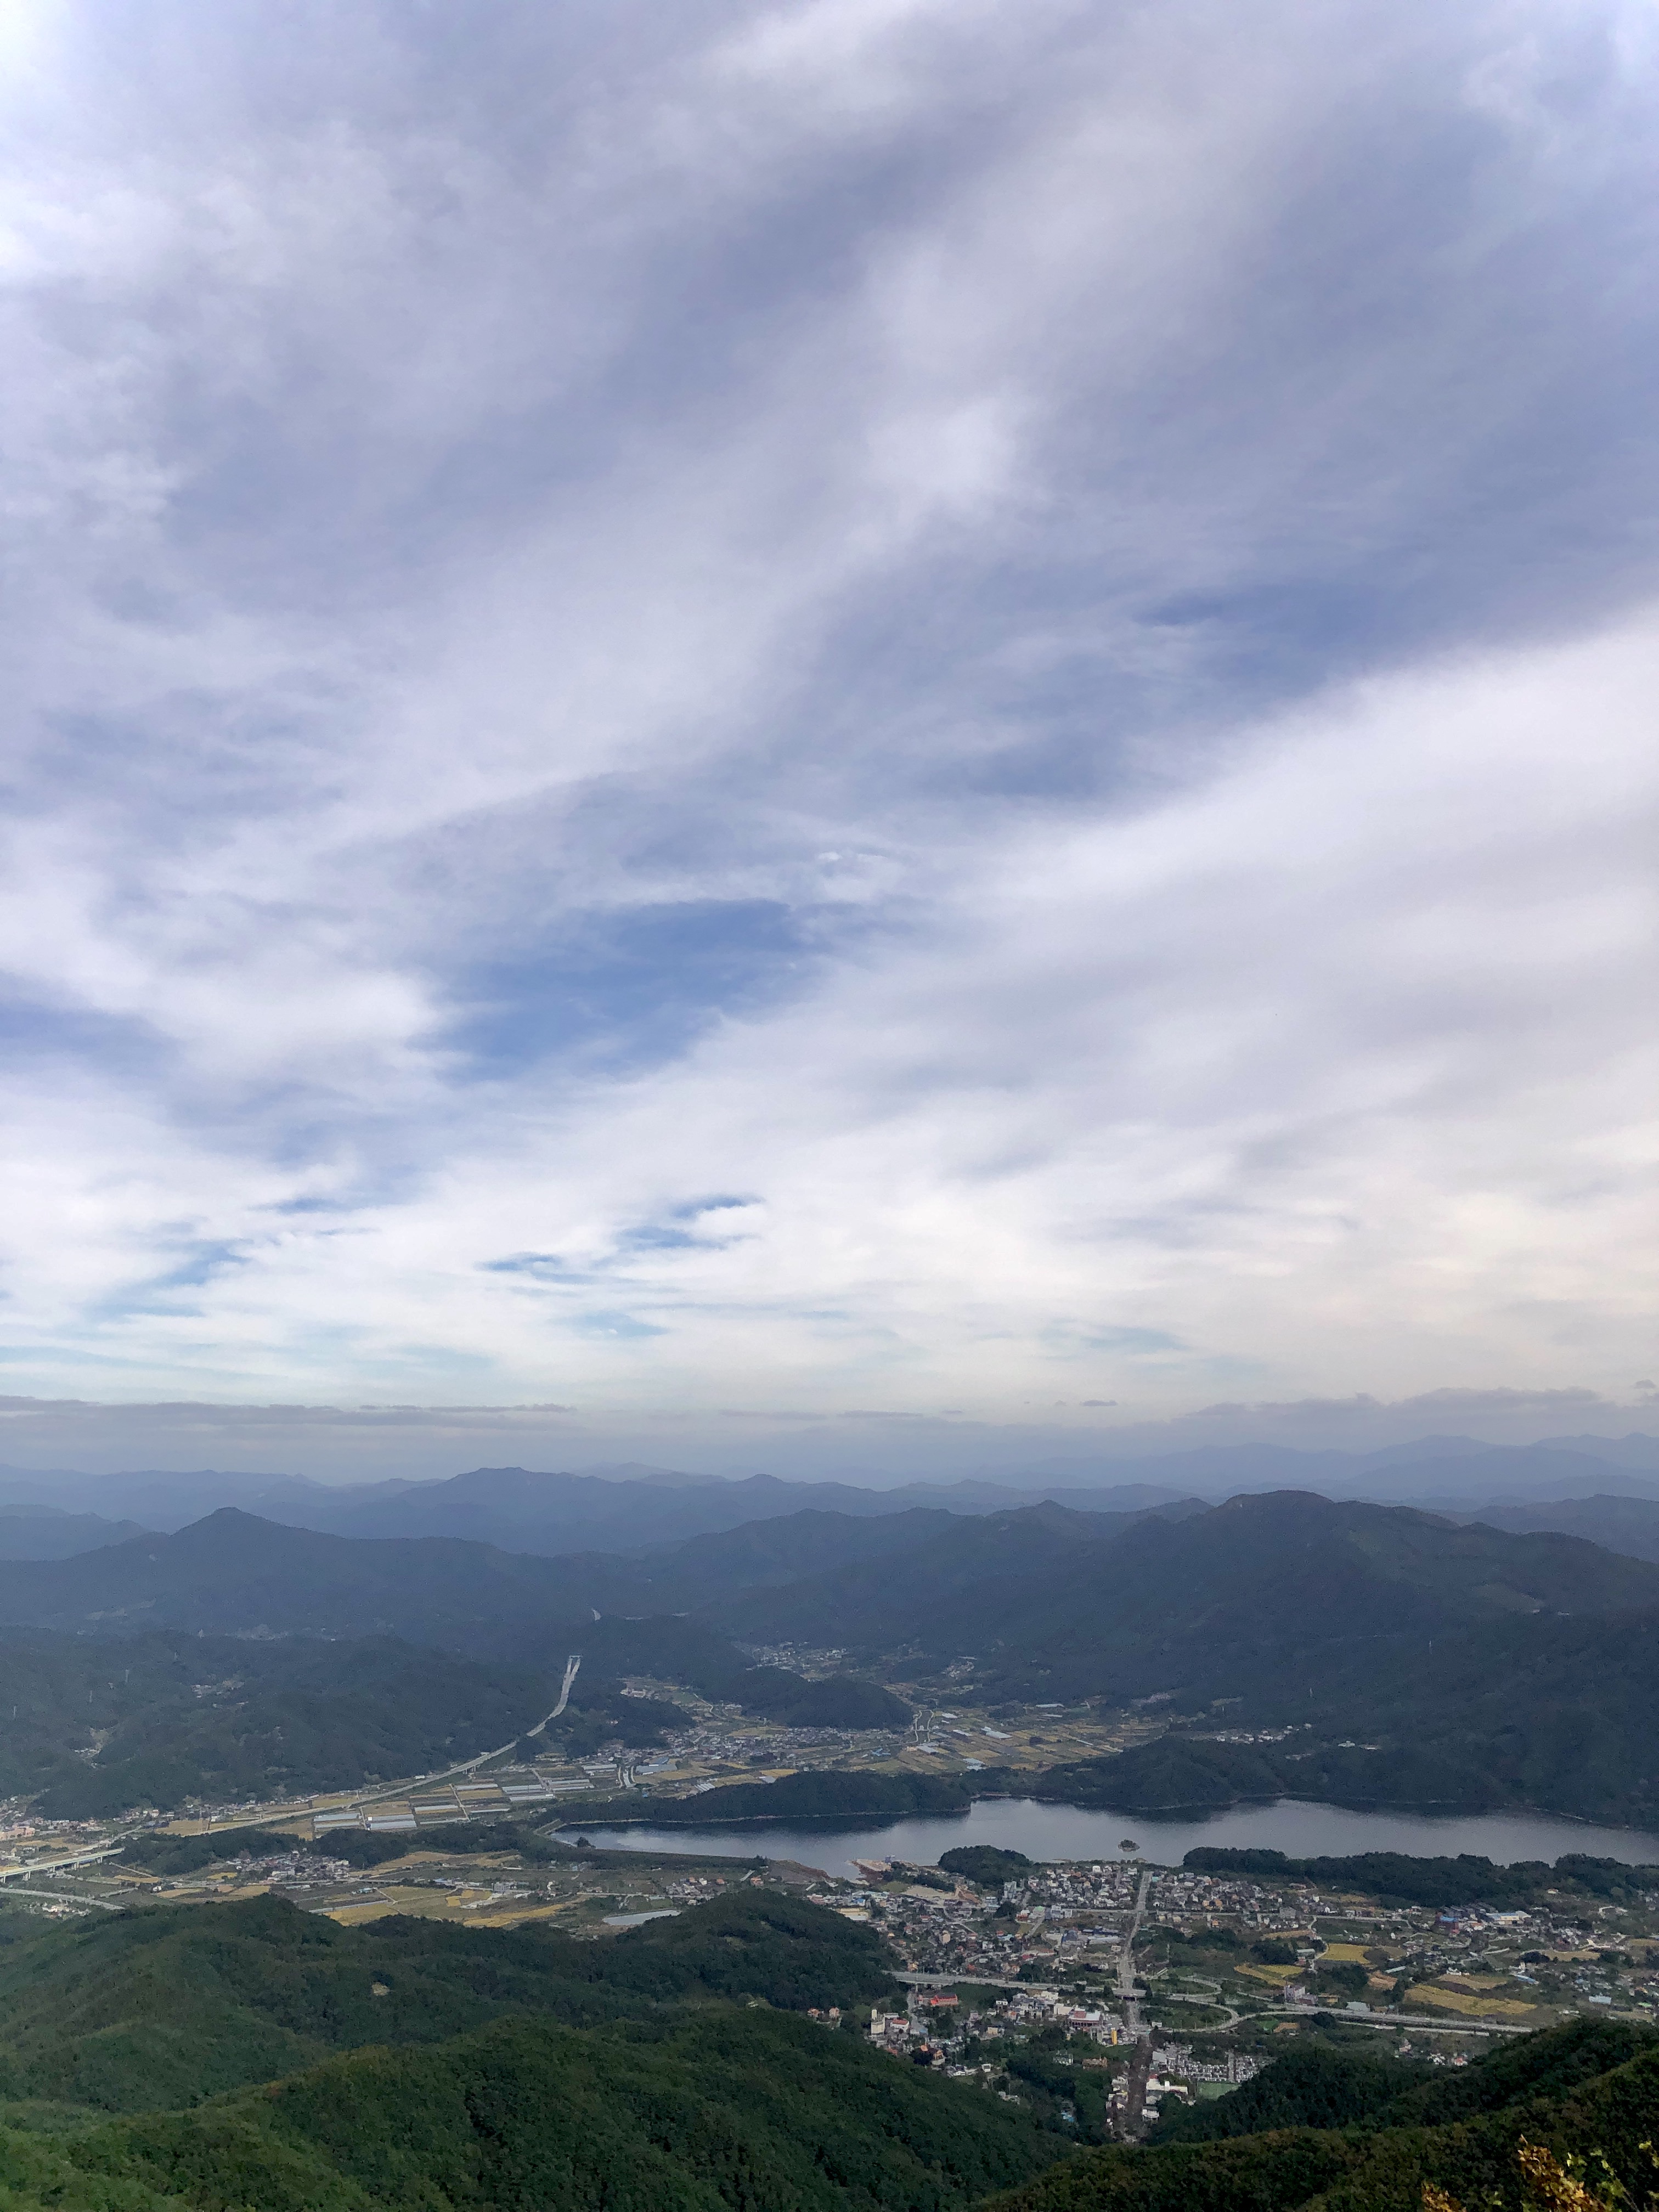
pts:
[1067, 1831]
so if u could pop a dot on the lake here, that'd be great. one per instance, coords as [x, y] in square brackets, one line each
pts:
[1067, 1831]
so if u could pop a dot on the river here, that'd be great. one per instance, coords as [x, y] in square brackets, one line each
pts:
[1067, 1831]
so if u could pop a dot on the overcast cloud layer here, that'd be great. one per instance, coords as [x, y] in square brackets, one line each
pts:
[864, 706]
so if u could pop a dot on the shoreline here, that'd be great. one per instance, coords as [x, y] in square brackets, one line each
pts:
[1418, 1809]
[1054, 1829]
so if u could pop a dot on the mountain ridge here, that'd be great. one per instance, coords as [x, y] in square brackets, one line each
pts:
[620, 1506]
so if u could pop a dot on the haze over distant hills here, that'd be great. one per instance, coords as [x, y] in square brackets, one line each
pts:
[1387, 1632]
[1214, 1600]
[1036, 1583]
[47, 1532]
[523, 1510]
[1630, 1525]
[620, 1508]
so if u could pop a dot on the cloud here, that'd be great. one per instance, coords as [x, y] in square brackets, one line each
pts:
[1022, 635]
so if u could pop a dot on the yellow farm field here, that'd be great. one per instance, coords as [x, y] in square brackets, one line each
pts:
[474, 1911]
[1467, 2001]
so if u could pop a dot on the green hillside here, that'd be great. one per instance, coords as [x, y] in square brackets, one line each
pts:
[1440, 1665]
[704, 2112]
[234, 1571]
[1630, 1525]
[99, 1724]
[1339, 2132]
[1468, 1879]
[1096, 1605]
[325, 1717]
[251, 2056]
[965, 1589]
[172, 2005]
[1244, 1597]
[1561, 1714]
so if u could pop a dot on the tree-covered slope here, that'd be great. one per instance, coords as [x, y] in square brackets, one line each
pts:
[1398, 1878]
[100, 1724]
[704, 2112]
[171, 2006]
[1314, 2086]
[1267, 1595]
[1560, 1714]
[1322, 2132]
[232, 1572]
[957, 1591]
[253, 2058]
[1630, 1525]
[1441, 1665]
[1054, 1603]
[325, 1716]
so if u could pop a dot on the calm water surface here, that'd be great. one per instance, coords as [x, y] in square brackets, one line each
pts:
[1067, 1831]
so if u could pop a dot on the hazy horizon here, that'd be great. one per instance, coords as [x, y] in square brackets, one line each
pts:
[336, 1446]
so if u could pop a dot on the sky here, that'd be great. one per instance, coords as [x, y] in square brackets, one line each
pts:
[734, 720]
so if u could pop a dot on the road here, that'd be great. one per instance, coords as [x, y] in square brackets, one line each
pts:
[1140, 2065]
[1419, 2023]
[388, 1793]
[67, 1897]
[479, 1759]
[1126, 1968]
[61, 1866]
[956, 1981]
[393, 1791]
[570, 1667]
[1126, 1964]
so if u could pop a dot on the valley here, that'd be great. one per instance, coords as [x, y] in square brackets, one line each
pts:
[1168, 1659]
[1040, 2014]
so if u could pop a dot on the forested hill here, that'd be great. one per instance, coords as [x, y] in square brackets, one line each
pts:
[234, 1571]
[1088, 1603]
[97, 1725]
[1441, 1664]
[1560, 1714]
[418, 2067]
[1232, 1599]
[1352, 2131]
[174, 2003]
[1630, 1525]
[1421, 1662]
[193, 2059]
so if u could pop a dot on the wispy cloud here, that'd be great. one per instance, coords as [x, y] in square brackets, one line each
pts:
[1022, 637]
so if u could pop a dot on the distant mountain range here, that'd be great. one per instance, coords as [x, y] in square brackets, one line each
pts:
[1630, 1525]
[519, 1510]
[1369, 1625]
[235, 1573]
[1096, 1603]
[232, 1572]
[1229, 1600]
[47, 1532]
[620, 1508]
